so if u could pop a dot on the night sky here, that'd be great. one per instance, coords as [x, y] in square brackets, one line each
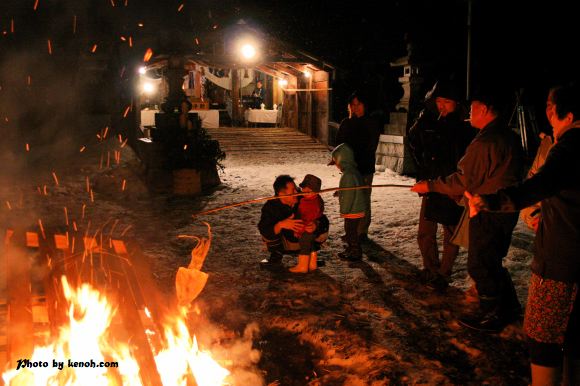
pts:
[521, 44]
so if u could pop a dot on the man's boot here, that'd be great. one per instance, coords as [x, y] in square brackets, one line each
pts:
[273, 262]
[302, 266]
[488, 318]
[313, 263]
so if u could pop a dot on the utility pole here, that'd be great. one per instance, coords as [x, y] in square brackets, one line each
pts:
[468, 69]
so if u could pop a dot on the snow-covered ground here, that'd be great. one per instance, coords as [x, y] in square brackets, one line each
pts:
[369, 324]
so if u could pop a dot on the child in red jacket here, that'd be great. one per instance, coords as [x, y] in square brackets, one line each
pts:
[310, 209]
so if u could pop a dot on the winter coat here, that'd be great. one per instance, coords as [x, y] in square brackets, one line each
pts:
[557, 186]
[529, 214]
[352, 202]
[437, 145]
[310, 209]
[362, 135]
[492, 161]
[275, 211]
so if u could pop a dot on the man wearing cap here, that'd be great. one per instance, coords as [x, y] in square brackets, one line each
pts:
[438, 140]
[279, 221]
[492, 161]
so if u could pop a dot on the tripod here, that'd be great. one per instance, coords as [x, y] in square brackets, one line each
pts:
[523, 121]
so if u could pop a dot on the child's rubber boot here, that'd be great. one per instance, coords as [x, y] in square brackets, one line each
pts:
[302, 266]
[313, 265]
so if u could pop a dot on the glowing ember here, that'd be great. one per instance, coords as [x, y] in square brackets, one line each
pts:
[148, 55]
[41, 228]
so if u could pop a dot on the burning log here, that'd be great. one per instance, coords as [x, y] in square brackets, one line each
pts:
[84, 325]
[20, 328]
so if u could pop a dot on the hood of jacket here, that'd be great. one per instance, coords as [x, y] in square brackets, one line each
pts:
[344, 156]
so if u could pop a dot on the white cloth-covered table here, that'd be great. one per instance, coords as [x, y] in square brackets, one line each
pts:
[261, 116]
[148, 117]
[210, 119]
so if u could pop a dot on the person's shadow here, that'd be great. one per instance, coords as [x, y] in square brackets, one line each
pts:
[431, 319]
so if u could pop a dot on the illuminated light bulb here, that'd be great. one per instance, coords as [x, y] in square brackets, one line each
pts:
[282, 82]
[307, 74]
[142, 70]
[148, 88]
[248, 51]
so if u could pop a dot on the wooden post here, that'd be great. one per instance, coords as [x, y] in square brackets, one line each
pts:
[236, 112]
[309, 122]
[321, 106]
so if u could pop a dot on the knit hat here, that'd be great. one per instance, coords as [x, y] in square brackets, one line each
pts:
[312, 182]
[445, 89]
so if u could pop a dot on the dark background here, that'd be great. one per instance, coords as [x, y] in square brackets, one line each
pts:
[516, 44]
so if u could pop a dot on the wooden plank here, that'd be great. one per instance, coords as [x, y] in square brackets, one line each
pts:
[20, 329]
[55, 301]
[133, 324]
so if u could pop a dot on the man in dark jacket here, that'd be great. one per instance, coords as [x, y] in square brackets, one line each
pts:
[437, 144]
[361, 132]
[278, 223]
[493, 160]
[552, 321]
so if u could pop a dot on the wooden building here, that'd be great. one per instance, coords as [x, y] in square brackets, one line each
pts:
[217, 75]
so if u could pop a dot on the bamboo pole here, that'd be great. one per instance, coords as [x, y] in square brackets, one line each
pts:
[294, 195]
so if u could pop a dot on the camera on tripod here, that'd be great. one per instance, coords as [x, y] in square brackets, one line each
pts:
[523, 121]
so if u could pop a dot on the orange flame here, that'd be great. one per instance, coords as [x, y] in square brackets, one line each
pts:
[88, 337]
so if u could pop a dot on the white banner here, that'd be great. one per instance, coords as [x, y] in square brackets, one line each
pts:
[226, 81]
